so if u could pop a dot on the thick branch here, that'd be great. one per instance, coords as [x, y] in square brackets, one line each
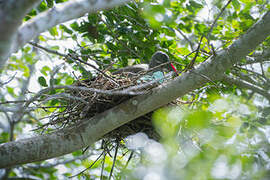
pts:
[90, 130]
[11, 14]
[59, 14]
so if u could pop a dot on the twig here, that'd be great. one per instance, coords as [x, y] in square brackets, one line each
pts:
[102, 167]
[207, 78]
[246, 77]
[129, 158]
[49, 165]
[47, 49]
[243, 84]
[82, 88]
[64, 96]
[116, 39]
[215, 21]
[70, 57]
[9, 102]
[114, 158]
[258, 75]
[186, 38]
[191, 64]
[92, 66]
[8, 81]
[45, 107]
[88, 167]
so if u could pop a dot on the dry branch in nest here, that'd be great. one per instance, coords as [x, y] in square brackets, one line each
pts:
[112, 90]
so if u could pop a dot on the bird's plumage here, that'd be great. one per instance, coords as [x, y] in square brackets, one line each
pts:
[157, 60]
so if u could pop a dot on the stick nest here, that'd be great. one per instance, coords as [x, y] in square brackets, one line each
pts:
[86, 104]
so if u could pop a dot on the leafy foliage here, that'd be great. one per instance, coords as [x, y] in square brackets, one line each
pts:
[221, 132]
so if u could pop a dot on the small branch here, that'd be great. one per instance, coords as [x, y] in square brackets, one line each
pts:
[114, 158]
[103, 163]
[49, 165]
[246, 77]
[258, 57]
[9, 102]
[8, 109]
[258, 75]
[72, 57]
[218, 16]
[59, 14]
[65, 96]
[8, 81]
[186, 38]
[47, 49]
[129, 158]
[88, 167]
[243, 84]
[191, 64]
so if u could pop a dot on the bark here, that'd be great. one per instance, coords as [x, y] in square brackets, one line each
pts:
[11, 14]
[15, 37]
[90, 130]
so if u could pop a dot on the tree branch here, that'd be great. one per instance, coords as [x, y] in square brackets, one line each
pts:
[90, 130]
[59, 14]
[258, 57]
[218, 16]
[242, 84]
[11, 14]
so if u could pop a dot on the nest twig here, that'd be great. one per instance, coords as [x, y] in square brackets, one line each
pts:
[86, 104]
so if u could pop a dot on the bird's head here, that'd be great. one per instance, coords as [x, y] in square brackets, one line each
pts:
[161, 58]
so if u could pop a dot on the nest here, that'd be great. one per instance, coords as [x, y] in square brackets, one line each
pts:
[86, 104]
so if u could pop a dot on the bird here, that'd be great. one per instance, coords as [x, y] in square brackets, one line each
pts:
[160, 62]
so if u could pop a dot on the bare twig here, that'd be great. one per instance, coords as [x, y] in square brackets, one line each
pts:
[71, 57]
[102, 167]
[8, 81]
[243, 84]
[82, 88]
[114, 158]
[129, 158]
[9, 102]
[88, 167]
[258, 75]
[186, 38]
[49, 165]
[218, 16]
[191, 64]
[245, 77]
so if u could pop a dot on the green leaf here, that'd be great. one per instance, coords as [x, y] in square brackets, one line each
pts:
[236, 5]
[55, 48]
[42, 7]
[49, 3]
[75, 26]
[42, 81]
[53, 31]
[4, 136]
[10, 90]
[247, 1]
[41, 38]
[199, 119]
[45, 70]
[66, 29]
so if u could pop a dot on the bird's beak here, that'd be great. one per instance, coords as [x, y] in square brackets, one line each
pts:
[174, 69]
